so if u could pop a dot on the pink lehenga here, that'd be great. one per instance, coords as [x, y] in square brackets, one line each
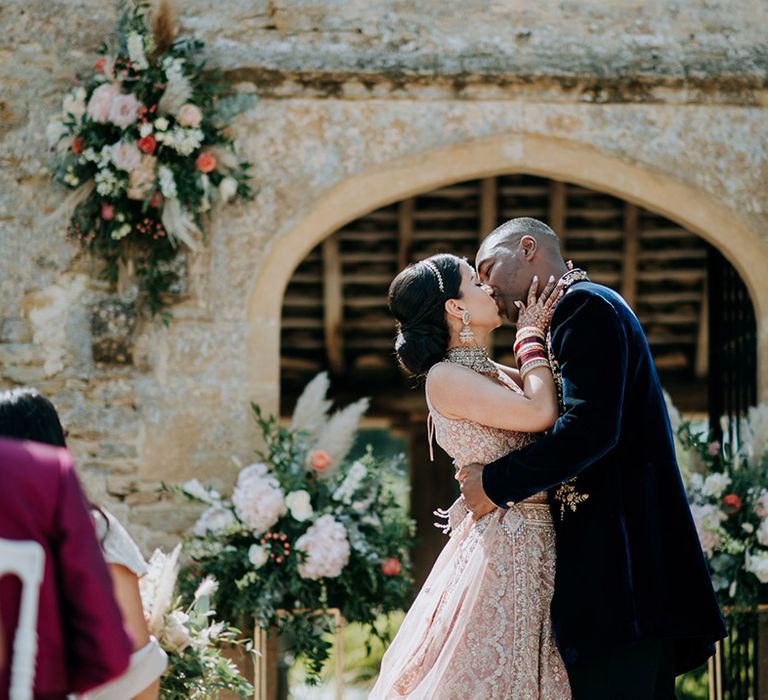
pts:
[480, 627]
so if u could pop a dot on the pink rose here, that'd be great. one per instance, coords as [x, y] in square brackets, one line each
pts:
[189, 115]
[100, 104]
[320, 460]
[390, 566]
[125, 156]
[142, 179]
[124, 110]
[107, 211]
[713, 448]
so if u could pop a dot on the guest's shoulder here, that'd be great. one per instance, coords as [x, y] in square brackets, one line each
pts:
[23, 455]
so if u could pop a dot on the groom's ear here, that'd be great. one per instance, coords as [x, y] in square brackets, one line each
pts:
[529, 246]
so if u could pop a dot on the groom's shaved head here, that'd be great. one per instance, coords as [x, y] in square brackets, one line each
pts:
[509, 234]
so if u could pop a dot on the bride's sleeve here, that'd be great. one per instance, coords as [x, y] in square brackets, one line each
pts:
[593, 393]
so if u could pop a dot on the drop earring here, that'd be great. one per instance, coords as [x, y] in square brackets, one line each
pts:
[466, 336]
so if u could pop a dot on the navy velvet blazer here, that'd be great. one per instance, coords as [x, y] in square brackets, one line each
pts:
[629, 563]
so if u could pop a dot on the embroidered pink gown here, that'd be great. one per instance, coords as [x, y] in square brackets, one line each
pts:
[480, 627]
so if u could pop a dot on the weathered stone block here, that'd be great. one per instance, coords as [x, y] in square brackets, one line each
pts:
[15, 330]
[113, 322]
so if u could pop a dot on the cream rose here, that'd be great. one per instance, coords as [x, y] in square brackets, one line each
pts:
[299, 505]
[189, 115]
[142, 178]
[175, 632]
[257, 555]
[100, 104]
[125, 156]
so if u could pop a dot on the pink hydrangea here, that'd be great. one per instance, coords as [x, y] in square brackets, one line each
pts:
[326, 548]
[100, 104]
[258, 499]
[124, 110]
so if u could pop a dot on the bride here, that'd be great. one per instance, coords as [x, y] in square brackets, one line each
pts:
[480, 627]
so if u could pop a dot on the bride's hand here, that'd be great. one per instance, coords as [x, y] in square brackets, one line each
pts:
[538, 311]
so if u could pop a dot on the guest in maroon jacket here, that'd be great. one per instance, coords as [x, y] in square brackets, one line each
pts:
[81, 639]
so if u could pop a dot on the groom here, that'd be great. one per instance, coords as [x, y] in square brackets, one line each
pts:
[633, 605]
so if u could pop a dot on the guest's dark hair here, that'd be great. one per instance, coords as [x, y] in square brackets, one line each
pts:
[417, 299]
[27, 415]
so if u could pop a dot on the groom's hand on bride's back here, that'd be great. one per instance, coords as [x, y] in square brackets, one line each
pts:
[470, 478]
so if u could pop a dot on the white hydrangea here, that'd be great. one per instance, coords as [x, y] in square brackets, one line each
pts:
[326, 547]
[357, 472]
[183, 141]
[215, 519]
[762, 532]
[258, 499]
[707, 518]
[757, 564]
[715, 484]
[135, 45]
[299, 505]
[107, 182]
[167, 183]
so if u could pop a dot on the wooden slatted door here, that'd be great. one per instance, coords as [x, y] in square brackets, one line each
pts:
[335, 315]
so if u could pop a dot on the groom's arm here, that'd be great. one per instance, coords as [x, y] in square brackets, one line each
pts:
[591, 345]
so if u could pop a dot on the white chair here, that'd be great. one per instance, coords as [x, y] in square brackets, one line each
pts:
[25, 559]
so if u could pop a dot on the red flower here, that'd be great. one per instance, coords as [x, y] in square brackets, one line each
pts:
[390, 566]
[107, 211]
[77, 145]
[100, 63]
[205, 162]
[147, 144]
[155, 201]
[731, 503]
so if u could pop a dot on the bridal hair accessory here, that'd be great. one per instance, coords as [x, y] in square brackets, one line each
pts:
[466, 335]
[433, 268]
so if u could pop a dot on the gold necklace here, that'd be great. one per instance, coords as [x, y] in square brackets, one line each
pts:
[475, 358]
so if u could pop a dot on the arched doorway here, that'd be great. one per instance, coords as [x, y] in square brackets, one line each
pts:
[692, 303]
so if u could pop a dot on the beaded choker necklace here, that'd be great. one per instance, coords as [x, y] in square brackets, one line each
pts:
[475, 358]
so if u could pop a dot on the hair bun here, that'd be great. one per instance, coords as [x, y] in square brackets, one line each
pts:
[421, 345]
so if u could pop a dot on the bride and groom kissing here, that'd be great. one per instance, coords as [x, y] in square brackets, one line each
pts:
[573, 568]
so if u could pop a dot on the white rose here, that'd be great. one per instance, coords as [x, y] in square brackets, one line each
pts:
[175, 633]
[189, 115]
[257, 555]
[227, 188]
[161, 124]
[215, 519]
[125, 156]
[145, 129]
[299, 505]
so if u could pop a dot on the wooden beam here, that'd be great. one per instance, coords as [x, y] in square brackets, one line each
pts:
[333, 304]
[630, 255]
[405, 227]
[701, 367]
[556, 212]
[489, 210]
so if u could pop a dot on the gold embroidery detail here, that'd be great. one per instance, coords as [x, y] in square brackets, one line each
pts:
[568, 497]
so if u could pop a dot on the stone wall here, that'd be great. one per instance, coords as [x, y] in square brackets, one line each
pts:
[330, 94]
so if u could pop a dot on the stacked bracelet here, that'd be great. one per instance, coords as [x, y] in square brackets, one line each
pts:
[530, 351]
[531, 365]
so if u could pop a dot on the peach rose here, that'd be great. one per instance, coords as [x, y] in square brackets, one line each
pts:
[100, 104]
[124, 110]
[320, 460]
[142, 179]
[390, 566]
[189, 115]
[206, 162]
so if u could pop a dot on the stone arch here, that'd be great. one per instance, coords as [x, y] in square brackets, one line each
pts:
[560, 159]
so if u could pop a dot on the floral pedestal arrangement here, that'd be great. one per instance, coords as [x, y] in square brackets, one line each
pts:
[307, 537]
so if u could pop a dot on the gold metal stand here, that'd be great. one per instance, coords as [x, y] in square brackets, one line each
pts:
[260, 656]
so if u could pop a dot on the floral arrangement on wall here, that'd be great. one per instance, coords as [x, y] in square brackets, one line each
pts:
[305, 530]
[193, 640]
[727, 487]
[140, 143]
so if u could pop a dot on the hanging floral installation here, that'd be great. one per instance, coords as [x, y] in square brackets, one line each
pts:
[140, 143]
